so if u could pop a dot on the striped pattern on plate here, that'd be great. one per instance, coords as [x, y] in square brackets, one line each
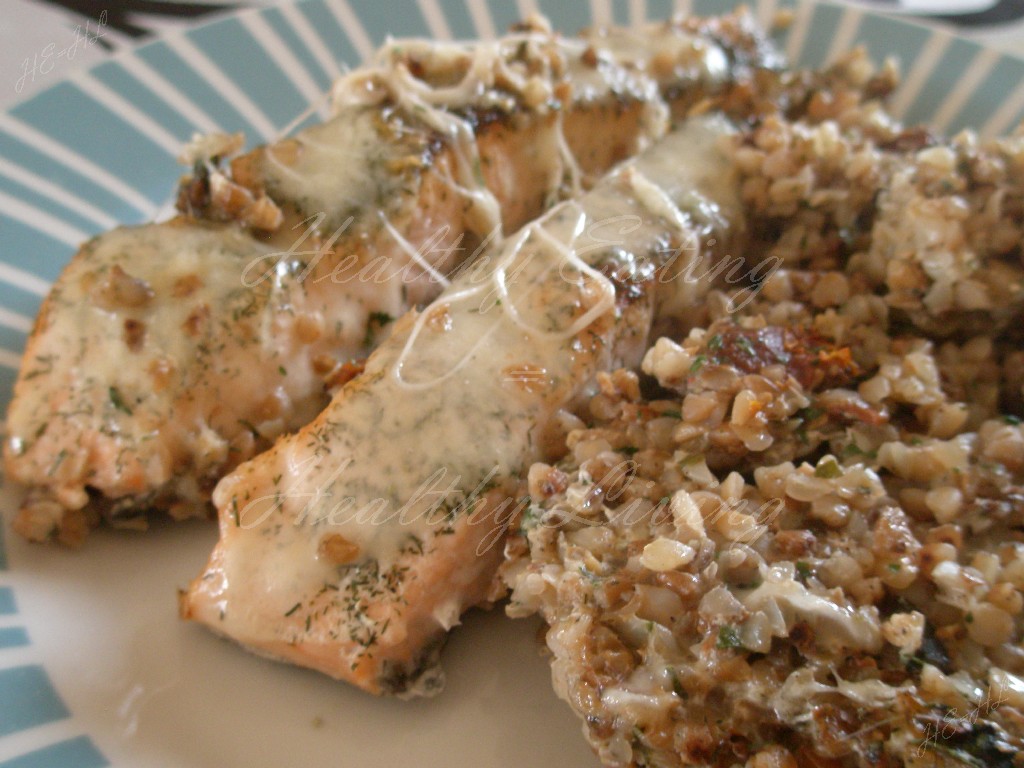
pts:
[98, 148]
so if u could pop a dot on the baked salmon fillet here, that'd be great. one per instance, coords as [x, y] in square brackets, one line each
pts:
[168, 353]
[353, 545]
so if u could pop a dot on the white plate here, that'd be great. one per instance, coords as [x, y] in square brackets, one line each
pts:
[95, 668]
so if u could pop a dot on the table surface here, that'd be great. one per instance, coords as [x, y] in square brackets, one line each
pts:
[43, 40]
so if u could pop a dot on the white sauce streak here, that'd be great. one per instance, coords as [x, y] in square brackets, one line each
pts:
[437, 409]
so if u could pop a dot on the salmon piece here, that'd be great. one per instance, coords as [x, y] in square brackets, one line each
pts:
[353, 545]
[166, 354]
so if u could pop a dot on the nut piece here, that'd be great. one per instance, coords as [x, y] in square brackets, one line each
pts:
[197, 321]
[664, 554]
[119, 290]
[905, 631]
[186, 285]
[338, 549]
[134, 334]
[686, 514]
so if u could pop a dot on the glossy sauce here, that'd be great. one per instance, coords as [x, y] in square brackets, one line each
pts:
[133, 344]
[399, 161]
[454, 403]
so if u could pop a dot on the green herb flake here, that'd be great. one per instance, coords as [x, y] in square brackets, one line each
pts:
[715, 343]
[293, 609]
[698, 363]
[803, 569]
[810, 414]
[118, 402]
[1012, 420]
[629, 450]
[744, 343]
[855, 450]
[894, 567]
[729, 637]
[375, 321]
[63, 454]
[677, 685]
[828, 469]
[282, 370]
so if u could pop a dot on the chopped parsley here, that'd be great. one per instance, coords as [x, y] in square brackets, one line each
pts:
[744, 343]
[375, 322]
[828, 469]
[728, 637]
[677, 685]
[61, 455]
[117, 400]
[809, 414]
[855, 450]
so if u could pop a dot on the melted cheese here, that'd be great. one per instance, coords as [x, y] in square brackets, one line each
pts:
[154, 353]
[666, 53]
[186, 406]
[836, 626]
[454, 402]
[337, 168]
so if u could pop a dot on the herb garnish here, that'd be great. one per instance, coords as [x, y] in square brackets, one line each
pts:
[728, 637]
[118, 402]
[828, 469]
